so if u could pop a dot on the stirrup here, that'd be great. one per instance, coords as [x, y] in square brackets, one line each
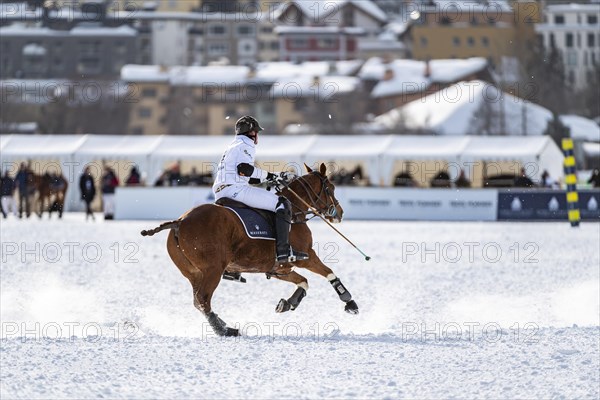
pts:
[234, 276]
[292, 257]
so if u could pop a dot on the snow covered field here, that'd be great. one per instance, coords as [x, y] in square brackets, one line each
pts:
[447, 310]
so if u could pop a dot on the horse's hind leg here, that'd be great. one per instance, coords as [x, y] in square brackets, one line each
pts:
[293, 302]
[314, 264]
[204, 285]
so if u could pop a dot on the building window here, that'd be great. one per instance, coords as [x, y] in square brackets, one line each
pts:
[348, 16]
[585, 58]
[138, 130]
[266, 29]
[423, 41]
[559, 19]
[298, 43]
[569, 40]
[590, 40]
[149, 92]
[144, 112]
[300, 104]
[327, 43]
[217, 30]
[572, 58]
[275, 45]
[592, 19]
[456, 41]
[245, 30]
[572, 77]
[579, 40]
[471, 41]
[485, 41]
[218, 49]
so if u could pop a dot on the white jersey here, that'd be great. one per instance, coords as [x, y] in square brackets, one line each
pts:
[241, 150]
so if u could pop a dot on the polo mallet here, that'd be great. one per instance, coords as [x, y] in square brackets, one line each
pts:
[317, 213]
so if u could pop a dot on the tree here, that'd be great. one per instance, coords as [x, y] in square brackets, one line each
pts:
[544, 82]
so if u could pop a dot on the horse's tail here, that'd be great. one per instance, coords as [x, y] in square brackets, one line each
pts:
[167, 225]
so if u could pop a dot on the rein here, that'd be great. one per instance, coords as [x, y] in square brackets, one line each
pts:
[330, 204]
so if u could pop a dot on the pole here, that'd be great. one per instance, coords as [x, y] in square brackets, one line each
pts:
[317, 213]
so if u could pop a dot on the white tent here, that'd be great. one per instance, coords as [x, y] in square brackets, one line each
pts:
[535, 153]
[422, 148]
[55, 147]
[171, 148]
[117, 147]
[367, 149]
[283, 152]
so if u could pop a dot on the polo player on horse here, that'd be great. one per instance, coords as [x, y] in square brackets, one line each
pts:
[236, 173]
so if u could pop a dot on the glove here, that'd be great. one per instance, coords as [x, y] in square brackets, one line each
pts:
[281, 178]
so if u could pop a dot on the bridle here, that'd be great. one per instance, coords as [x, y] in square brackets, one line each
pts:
[327, 207]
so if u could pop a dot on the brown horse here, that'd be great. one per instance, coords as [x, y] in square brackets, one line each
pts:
[52, 190]
[209, 240]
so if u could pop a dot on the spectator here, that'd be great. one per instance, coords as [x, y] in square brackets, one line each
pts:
[7, 192]
[405, 179]
[134, 177]
[462, 181]
[194, 179]
[24, 182]
[441, 180]
[523, 180]
[109, 183]
[88, 191]
[595, 178]
[175, 175]
[162, 179]
[547, 181]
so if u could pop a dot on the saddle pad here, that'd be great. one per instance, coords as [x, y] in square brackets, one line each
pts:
[256, 225]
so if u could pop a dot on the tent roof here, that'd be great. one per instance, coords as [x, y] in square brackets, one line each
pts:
[30, 146]
[4, 140]
[348, 146]
[118, 146]
[506, 148]
[187, 147]
[284, 147]
[427, 147]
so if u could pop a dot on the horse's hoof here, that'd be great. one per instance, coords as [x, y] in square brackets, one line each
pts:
[283, 306]
[232, 332]
[351, 307]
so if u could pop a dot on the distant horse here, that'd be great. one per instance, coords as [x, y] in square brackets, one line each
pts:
[209, 240]
[52, 190]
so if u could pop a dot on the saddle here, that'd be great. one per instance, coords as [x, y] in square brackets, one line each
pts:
[258, 224]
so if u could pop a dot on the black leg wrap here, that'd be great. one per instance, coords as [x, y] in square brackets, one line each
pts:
[219, 326]
[291, 303]
[341, 290]
[297, 297]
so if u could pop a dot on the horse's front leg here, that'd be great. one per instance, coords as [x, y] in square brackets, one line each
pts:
[314, 264]
[293, 302]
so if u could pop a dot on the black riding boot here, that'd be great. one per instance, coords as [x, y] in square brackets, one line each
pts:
[283, 221]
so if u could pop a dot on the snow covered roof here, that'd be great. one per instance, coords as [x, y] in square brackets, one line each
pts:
[319, 10]
[573, 7]
[319, 29]
[591, 149]
[18, 29]
[281, 69]
[409, 75]
[34, 49]
[451, 112]
[219, 75]
[19, 11]
[144, 73]
[123, 30]
[324, 87]
[473, 5]
[581, 128]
